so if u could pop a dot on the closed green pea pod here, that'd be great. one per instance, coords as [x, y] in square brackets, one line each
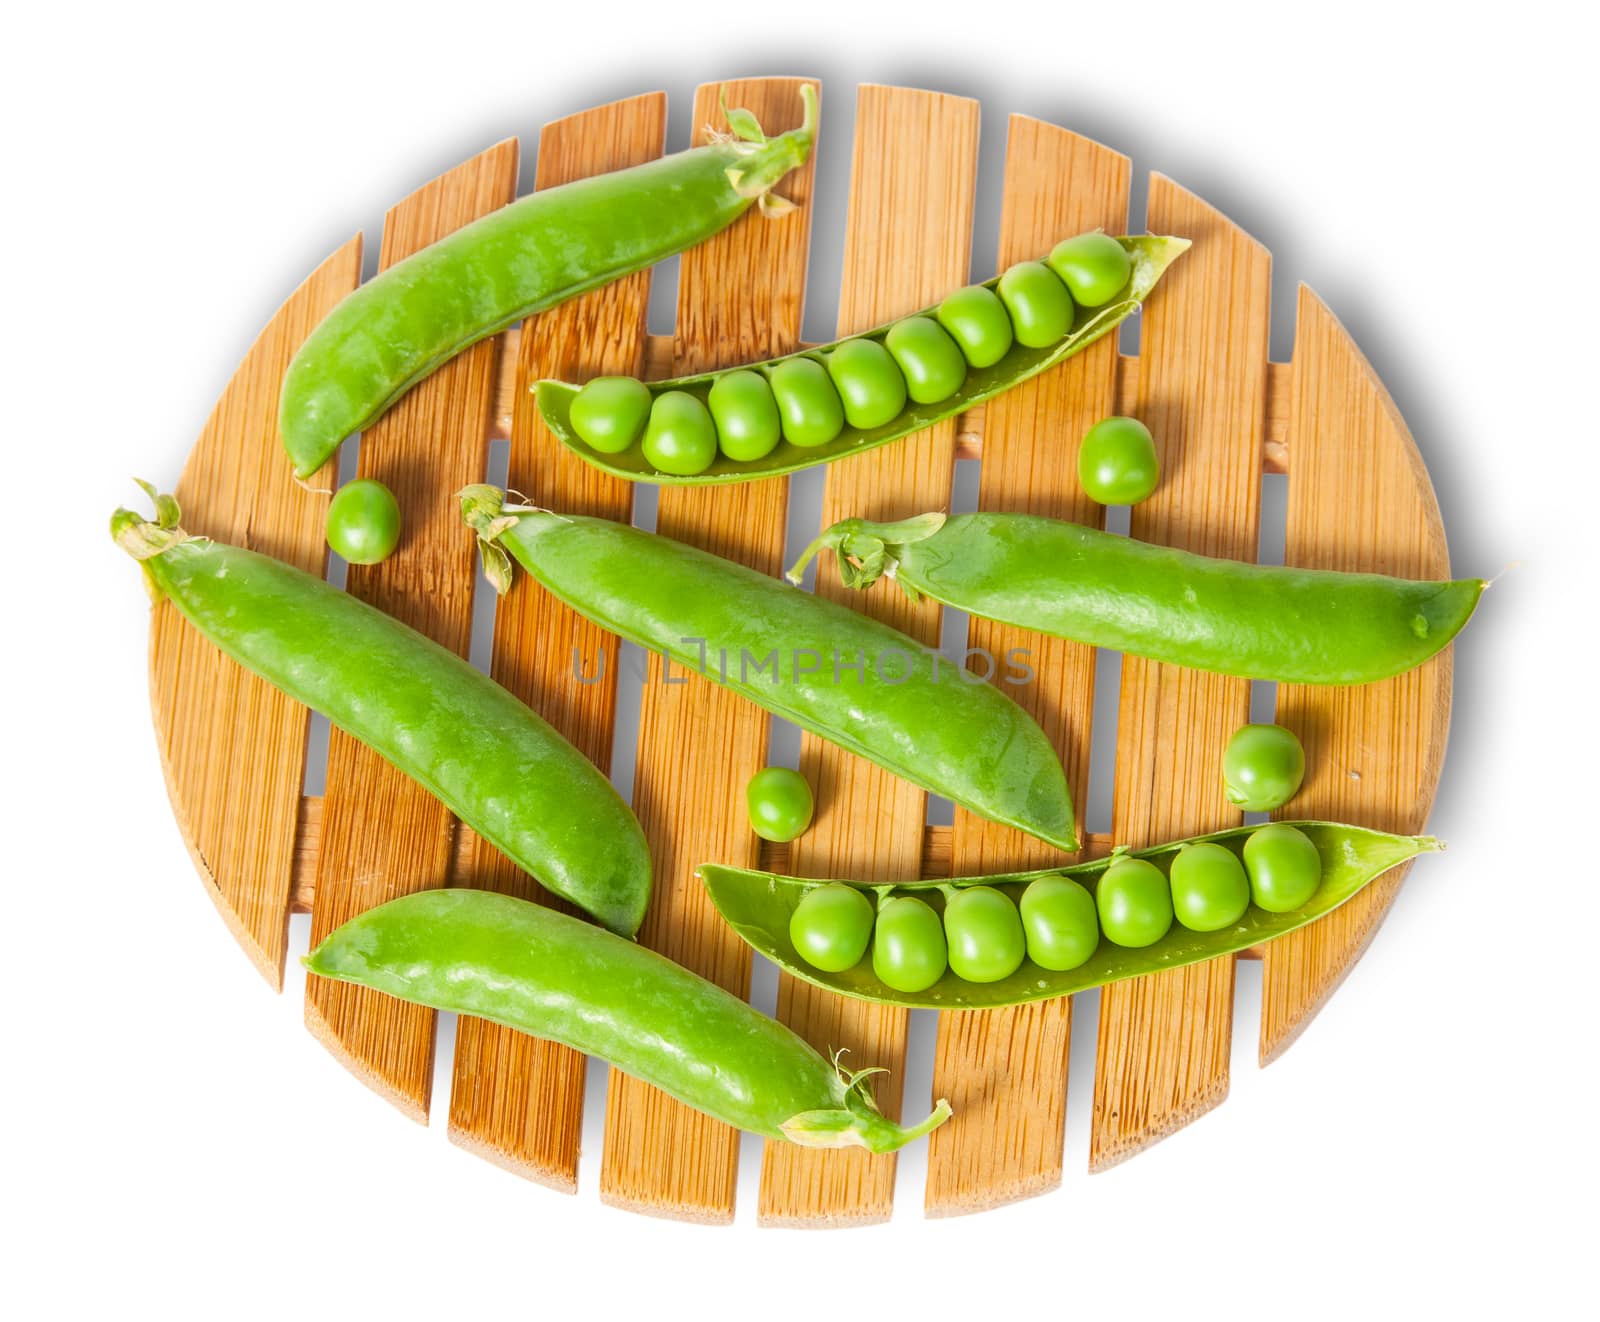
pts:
[1038, 303]
[869, 383]
[808, 405]
[746, 415]
[491, 760]
[541, 250]
[831, 670]
[680, 437]
[1301, 626]
[610, 412]
[929, 359]
[541, 972]
[979, 324]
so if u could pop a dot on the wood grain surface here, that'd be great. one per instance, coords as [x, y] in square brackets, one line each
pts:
[1162, 1053]
[908, 242]
[1359, 499]
[739, 299]
[383, 835]
[518, 1100]
[1005, 1071]
[233, 750]
[233, 747]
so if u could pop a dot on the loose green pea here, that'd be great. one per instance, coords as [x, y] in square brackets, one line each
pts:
[1209, 888]
[1262, 767]
[364, 521]
[746, 415]
[870, 385]
[810, 407]
[680, 437]
[610, 412]
[1135, 903]
[1117, 462]
[984, 934]
[1284, 866]
[1092, 266]
[1058, 916]
[1039, 305]
[831, 927]
[977, 321]
[933, 366]
[779, 802]
[908, 951]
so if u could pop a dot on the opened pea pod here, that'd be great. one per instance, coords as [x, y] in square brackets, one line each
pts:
[838, 399]
[980, 942]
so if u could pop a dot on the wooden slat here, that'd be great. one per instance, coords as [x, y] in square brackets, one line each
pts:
[1359, 499]
[383, 834]
[907, 243]
[1163, 1047]
[739, 298]
[232, 747]
[1005, 1071]
[517, 1100]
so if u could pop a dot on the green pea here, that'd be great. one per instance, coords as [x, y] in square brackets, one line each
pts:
[977, 322]
[1039, 305]
[1092, 266]
[1117, 462]
[609, 413]
[680, 437]
[831, 927]
[1262, 767]
[1135, 903]
[1058, 916]
[1284, 866]
[779, 802]
[933, 366]
[1209, 888]
[869, 383]
[364, 521]
[807, 402]
[984, 934]
[746, 415]
[908, 951]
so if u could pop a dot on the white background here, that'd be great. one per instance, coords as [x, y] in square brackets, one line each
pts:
[171, 1133]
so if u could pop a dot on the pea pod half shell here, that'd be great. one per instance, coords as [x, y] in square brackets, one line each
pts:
[831, 670]
[759, 906]
[1150, 254]
[1303, 626]
[504, 771]
[536, 252]
[541, 972]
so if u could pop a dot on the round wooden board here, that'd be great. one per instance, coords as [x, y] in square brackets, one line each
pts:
[234, 750]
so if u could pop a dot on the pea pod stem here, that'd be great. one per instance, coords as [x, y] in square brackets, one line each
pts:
[538, 251]
[498, 766]
[1150, 256]
[1308, 626]
[887, 698]
[759, 906]
[541, 972]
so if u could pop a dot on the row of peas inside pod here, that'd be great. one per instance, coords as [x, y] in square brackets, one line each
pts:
[984, 934]
[808, 399]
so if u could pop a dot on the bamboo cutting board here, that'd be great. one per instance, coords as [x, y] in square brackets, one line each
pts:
[234, 751]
